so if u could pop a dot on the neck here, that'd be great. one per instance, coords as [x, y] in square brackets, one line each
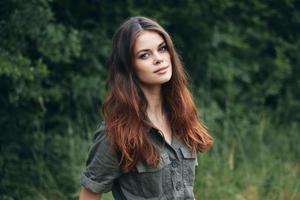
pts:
[154, 99]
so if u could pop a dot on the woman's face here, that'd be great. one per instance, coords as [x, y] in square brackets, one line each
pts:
[151, 59]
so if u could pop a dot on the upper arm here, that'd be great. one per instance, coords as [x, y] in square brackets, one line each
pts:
[102, 166]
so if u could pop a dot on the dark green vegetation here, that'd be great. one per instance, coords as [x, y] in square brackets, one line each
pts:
[243, 58]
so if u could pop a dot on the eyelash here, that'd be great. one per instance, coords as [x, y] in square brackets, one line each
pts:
[164, 48]
[161, 49]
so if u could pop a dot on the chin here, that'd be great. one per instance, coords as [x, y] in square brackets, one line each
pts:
[163, 81]
[166, 78]
[158, 81]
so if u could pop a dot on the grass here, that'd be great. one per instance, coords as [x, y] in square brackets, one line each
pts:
[251, 160]
[249, 180]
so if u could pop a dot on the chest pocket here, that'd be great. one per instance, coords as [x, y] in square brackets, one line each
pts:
[152, 179]
[189, 162]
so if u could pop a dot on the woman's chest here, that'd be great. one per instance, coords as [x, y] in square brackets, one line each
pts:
[173, 178]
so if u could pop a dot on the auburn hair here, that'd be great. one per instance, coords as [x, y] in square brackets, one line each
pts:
[124, 108]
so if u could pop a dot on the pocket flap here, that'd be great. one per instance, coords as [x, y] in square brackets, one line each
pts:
[186, 153]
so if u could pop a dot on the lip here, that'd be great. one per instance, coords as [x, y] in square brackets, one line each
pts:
[160, 69]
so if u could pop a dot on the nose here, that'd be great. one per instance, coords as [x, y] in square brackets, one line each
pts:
[157, 58]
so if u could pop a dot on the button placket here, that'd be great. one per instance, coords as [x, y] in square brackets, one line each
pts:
[176, 168]
[178, 186]
[174, 163]
[176, 172]
[173, 173]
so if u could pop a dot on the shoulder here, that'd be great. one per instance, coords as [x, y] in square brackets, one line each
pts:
[102, 166]
[100, 142]
[100, 133]
[101, 146]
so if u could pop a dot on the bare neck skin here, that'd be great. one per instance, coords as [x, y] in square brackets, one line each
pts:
[156, 113]
[154, 98]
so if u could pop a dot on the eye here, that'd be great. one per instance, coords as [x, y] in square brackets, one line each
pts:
[163, 48]
[144, 56]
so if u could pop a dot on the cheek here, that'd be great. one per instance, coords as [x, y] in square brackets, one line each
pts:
[167, 57]
[143, 66]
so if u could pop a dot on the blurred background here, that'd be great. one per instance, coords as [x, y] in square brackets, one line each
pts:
[243, 61]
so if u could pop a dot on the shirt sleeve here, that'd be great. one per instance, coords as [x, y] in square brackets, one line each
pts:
[102, 166]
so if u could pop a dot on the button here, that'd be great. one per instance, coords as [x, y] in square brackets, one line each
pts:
[174, 164]
[178, 186]
[172, 173]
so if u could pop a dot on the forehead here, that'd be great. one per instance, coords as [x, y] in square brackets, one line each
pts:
[147, 40]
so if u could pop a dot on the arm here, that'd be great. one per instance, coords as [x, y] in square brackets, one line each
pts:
[102, 168]
[85, 194]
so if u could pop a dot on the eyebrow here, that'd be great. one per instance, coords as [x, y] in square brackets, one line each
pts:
[162, 43]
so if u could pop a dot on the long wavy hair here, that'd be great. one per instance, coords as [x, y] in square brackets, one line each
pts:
[125, 105]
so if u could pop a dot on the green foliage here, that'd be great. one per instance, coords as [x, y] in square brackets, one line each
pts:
[50, 44]
[243, 61]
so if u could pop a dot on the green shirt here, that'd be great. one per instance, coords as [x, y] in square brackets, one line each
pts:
[172, 179]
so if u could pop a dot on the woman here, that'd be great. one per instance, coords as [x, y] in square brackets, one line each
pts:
[146, 149]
